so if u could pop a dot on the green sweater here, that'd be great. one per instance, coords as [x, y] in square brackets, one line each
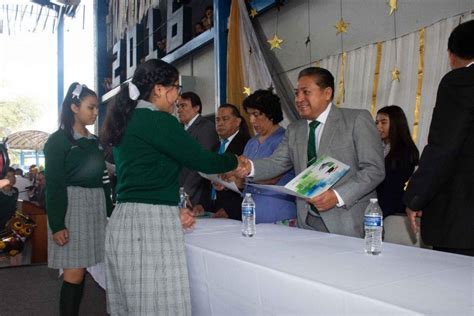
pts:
[152, 151]
[81, 164]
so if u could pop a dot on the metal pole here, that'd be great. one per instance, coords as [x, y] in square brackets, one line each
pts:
[60, 43]
[221, 16]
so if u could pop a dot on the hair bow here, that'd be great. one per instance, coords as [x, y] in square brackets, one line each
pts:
[77, 91]
[133, 91]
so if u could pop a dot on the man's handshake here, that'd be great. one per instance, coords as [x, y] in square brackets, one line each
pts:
[243, 169]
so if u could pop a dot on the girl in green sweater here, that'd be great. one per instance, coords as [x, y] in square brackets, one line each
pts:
[145, 258]
[77, 195]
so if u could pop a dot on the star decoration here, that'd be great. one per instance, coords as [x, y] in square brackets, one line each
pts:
[253, 13]
[341, 26]
[395, 74]
[393, 6]
[247, 91]
[275, 42]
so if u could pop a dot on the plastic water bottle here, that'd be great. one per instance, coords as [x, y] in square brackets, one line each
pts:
[373, 224]
[248, 216]
[182, 198]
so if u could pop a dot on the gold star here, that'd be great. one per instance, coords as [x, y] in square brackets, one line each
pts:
[253, 13]
[393, 6]
[341, 26]
[395, 74]
[275, 42]
[247, 91]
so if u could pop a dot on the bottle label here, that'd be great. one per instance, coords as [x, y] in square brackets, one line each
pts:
[246, 211]
[373, 220]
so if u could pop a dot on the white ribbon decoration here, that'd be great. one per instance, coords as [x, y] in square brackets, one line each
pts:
[133, 91]
[77, 91]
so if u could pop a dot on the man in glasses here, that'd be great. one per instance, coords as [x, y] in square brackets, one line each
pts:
[189, 108]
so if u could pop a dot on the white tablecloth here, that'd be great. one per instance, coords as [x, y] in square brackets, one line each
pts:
[290, 271]
[293, 271]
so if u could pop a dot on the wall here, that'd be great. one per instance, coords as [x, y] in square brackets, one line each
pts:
[201, 65]
[369, 23]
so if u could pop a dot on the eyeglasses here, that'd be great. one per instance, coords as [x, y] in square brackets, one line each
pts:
[178, 87]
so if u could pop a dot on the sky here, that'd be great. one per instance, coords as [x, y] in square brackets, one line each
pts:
[28, 61]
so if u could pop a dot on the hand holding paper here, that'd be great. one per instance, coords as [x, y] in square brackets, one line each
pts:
[325, 201]
[312, 182]
[244, 167]
[217, 186]
[214, 178]
[198, 210]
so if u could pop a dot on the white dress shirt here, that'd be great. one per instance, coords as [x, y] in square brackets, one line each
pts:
[229, 139]
[186, 126]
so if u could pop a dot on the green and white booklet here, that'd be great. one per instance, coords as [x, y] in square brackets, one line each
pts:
[312, 181]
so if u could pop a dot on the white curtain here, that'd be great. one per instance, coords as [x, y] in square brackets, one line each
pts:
[360, 68]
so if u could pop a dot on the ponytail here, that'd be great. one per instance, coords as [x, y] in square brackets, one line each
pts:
[117, 118]
[147, 75]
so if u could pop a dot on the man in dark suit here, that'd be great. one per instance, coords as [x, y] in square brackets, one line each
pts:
[348, 135]
[233, 136]
[203, 130]
[442, 189]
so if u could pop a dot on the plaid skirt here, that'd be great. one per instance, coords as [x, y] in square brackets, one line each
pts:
[86, 218]
[146, 272]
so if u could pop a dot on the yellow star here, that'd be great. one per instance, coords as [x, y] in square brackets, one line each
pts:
[247, 91]
[253, 13]
[341, 26]
[395, 74]
[393, 6]
[275, 42]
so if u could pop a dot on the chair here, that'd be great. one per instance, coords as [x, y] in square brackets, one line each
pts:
[397, 230]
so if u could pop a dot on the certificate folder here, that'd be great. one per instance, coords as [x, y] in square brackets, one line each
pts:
[312, 181]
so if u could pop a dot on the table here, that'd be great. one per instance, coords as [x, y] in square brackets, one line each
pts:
[292, 271]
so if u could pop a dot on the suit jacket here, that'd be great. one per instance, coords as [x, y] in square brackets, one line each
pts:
[349, 136]
[230, 201]
[443, 185]
[195, 186]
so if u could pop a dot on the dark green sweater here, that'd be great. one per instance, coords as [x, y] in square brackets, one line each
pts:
[149, 158]
[81, 164]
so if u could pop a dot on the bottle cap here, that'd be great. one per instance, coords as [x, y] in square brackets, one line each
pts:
[373, 200]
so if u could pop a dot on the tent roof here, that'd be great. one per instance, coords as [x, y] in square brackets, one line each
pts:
[27, 140]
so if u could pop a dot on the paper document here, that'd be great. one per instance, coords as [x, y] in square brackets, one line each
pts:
[314, 180]
[214, 178]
